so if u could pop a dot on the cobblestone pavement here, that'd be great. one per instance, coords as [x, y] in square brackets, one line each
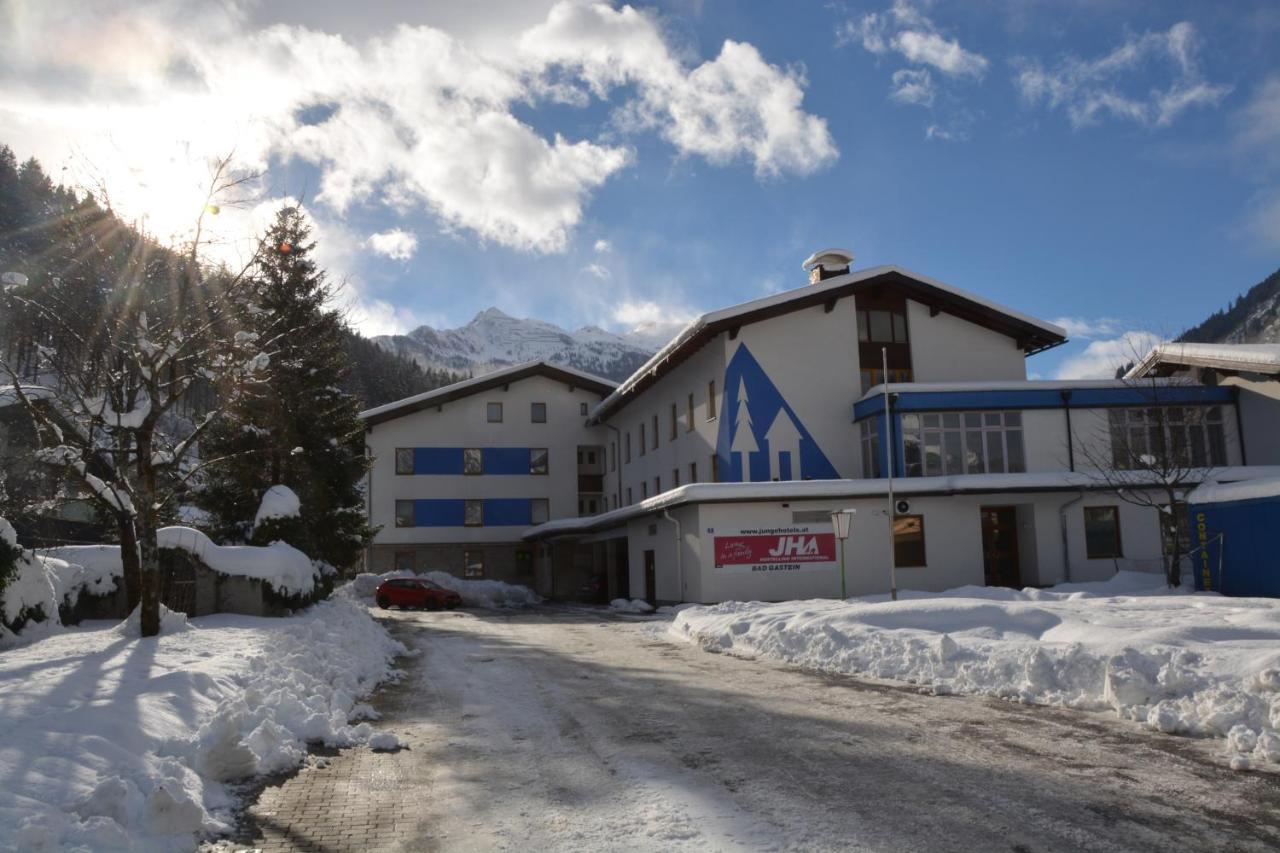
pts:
[573, 729]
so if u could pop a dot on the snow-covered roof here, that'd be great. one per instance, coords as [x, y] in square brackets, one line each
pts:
[1242, 358]
[1012, 385]
[797, 490]
[1216, 492]
[1039, 334]
[466, 387]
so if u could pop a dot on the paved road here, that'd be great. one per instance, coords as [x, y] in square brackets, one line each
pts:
[568, 729]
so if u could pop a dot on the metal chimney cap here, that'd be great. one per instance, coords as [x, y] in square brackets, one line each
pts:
[828, 259]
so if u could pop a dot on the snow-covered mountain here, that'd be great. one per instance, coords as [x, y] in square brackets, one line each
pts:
[1252, 318]
[495, 339]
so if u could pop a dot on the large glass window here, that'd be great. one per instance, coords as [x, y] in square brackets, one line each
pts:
[1186, 436]
[869, 433]
[404, 460]
[404, 514]
[538, 460]
[882, 325]
[908, 541]
[948, 443]
[472, 461]
[473, 513]
[539, 510]
[1102, 532]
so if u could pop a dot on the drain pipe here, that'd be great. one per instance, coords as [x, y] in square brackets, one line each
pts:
[666, 516]
[1066, 549]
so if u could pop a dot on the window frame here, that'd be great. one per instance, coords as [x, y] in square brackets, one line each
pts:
[1117, 540]
[533, 412]
[584, 410]
[957, 433]
[904, 558]
[490, 409]
[546, 462]
[413, 519]
[403, 453]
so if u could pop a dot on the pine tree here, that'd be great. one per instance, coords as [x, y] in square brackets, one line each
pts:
[295, 427]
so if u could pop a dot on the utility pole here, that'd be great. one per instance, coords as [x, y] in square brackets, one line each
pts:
[889, 455]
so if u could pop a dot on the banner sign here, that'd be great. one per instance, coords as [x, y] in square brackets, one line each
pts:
[776, 549]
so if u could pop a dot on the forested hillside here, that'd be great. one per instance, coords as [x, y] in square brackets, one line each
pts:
[1253, 318]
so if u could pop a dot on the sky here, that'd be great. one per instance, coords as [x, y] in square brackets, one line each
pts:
[1109, 165]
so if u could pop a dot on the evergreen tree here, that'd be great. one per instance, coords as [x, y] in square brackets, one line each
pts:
[296, 426]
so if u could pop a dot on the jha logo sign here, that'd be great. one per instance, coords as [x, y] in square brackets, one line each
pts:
[774, 550]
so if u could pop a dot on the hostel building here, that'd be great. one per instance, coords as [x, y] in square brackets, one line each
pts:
[719, 462]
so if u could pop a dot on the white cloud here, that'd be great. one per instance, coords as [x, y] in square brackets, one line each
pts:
[1101, 358]
[600, 271]
[1090, 89]
[649, 322]
[945, 134]
[1083, 327]
[397, 244]
[946, 55]
[907, 31]
[602, 247]
[913, 86]
[414, 117]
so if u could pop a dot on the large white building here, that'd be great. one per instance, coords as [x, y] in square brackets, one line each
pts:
[720, 461]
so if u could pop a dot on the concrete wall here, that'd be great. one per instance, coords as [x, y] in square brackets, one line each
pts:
[947, 349]
[463, 423]
[1259, 414]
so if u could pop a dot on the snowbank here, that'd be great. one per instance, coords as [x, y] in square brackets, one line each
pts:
[1196, 664]
[285, 568]
[635, 605]
[487, 594]
[111, 742]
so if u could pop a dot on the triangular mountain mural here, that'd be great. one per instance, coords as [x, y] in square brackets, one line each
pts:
[761, 438]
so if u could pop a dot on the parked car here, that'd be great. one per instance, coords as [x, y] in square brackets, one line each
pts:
[415, 592]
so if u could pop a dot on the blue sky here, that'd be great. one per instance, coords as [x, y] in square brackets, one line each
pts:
[1116, 164]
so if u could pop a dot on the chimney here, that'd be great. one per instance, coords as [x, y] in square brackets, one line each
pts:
[827, 263]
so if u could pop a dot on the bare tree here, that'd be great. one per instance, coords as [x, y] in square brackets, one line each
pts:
[1152, 453]
[168, 326]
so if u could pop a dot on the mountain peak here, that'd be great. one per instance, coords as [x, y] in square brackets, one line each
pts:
[492, 313]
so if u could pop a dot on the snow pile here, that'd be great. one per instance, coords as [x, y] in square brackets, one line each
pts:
[111, 742]
[30, 590]
[1196, 664]
[635, 605]
[278, 502]
[487, 594]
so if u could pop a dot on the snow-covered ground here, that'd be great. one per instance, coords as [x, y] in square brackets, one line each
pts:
[1185, 663]
[113, 742]
[475, 593]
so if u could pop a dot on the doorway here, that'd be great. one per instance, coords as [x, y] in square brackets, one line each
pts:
[650, 578]
[1000, 546]
[622, 571]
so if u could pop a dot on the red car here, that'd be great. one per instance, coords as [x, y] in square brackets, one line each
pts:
[415, 592]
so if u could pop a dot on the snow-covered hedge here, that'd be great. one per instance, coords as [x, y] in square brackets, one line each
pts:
[140, 759]
[1197, 664]
[475, 593]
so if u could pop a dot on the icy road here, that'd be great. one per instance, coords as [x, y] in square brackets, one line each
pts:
[573, 729]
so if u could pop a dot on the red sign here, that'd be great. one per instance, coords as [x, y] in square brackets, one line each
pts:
[780, 548]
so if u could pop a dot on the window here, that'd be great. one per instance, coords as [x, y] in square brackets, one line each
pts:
[715, 468]
[628, 496]
[655, 432]
[613, 456]
[472, 461]
[711, 400]
[495, 413]
[643, 443]
[404, 514]
[1171, 435]
[693, 472]
[473, 513]
[404, 561]
[873, 376]
[644, 489]
[869, 434]
[688, 414]
[908, 541]
[883, 335]
[675, 477]
[626, 448]
[883, 325]
[404, 460]
[1102, 532]
[539, 510]
[591, 457]
[473, 564]
[675, 421]
[538, 413]
[538, 460]
[657, 485]
[950, 443]
[582, 409]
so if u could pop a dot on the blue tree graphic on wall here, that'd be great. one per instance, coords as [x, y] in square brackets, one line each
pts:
[760, 437]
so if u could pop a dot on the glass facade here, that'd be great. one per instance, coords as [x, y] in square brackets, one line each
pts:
[949, 443]
[1168, 436]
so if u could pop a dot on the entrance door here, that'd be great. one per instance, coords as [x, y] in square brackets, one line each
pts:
[1000, 546]
[650, 578]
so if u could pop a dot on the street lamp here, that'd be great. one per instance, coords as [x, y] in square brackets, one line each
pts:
[840, 520]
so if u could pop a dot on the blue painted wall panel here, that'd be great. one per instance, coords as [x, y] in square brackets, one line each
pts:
[438, 512]
[508, 512]
[437, 460]
[1245, 561]
[505, 460]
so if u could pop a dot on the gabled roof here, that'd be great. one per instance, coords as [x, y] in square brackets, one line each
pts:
[465, 388]
[1232, 358]
[1031, 334]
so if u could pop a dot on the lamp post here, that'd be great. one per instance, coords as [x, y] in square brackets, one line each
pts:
[890, 455]
[840, 522]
